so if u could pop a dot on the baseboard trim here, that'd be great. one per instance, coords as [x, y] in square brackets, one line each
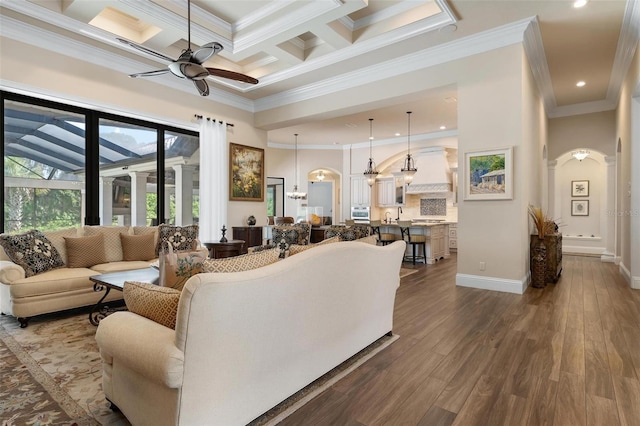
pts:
[608, 257]
[579, 250]
[493, 283]
[625, 272]
[635, 283]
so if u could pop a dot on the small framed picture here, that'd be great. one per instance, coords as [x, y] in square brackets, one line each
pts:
[579, 188]
[579, 207]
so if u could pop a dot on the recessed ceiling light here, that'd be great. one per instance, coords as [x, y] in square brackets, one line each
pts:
[443, 127]
[580, 83]
[397, 134]
[579, 3]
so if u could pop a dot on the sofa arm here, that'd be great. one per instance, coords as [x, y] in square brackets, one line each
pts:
[143, 346]
[10, 272]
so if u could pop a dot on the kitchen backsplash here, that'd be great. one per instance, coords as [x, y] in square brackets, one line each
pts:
[433, 207]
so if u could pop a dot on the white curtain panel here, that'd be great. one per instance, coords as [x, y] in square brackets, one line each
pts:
[214, 179]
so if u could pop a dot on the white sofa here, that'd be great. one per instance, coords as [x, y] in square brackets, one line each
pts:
[245, 341]
[63, 288]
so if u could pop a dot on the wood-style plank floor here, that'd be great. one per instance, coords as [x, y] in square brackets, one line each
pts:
[568, 354]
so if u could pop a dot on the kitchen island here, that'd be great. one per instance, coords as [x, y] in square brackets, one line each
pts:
[437, 234]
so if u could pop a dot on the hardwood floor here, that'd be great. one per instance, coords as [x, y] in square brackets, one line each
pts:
[568, 354]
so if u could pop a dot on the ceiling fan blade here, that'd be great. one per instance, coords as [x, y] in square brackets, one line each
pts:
[217, 72]
[202, 87]
[149, 73]
[144, 49]
[206, 51]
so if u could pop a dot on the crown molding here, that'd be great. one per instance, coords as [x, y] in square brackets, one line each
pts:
[62, 45]
[201, 13]
[582, 108]
[627, 45]
[534, 48]
[389, 12]
[262, 13]
[467, 46]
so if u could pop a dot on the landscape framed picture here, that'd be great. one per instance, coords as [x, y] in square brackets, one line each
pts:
[246, 173]
[488, 174]
[579, 188]
[579, 207]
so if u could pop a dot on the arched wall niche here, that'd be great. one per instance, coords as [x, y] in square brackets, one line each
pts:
[323, 196]
[585, 217]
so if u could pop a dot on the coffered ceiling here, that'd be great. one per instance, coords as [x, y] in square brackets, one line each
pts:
[297, 48]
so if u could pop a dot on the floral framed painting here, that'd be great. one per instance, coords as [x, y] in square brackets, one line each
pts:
[488, 175]
[246, 173]
[579, 188]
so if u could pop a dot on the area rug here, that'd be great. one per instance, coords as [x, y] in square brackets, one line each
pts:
[51, 374]
[406, 271]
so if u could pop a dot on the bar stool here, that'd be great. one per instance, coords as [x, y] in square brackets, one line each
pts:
[414, 240]
[384, 238]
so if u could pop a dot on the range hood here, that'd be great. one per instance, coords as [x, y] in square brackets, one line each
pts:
[433, 173]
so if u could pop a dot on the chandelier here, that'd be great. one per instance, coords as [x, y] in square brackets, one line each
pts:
[371, 173]
[580, 154]
[409, 168]
[320, 176]
[295, 195]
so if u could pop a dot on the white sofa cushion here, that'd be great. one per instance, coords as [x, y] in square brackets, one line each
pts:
[57, 281]
[130, 265]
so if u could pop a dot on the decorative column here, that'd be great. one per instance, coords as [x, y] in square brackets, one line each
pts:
[106, 200]
[609, 233]
[184, 194]
[554, 196]
[138, 198]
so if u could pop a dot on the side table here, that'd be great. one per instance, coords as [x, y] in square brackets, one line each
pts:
[218, 250]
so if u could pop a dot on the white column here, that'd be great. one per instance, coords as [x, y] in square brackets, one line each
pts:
[106, 200]
[83, 205]
[609, 200]
[553, 192]
[138, 198]
[184, 194]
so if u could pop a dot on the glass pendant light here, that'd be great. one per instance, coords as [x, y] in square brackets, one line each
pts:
[371, 173]
[295, 195]
[409, 168]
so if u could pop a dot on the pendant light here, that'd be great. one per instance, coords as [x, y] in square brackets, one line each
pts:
[409, 168]
[320, 176]
[295, 195]
[371, 173]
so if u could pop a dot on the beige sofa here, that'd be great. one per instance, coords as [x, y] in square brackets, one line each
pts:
[64, 288]
[245, 341]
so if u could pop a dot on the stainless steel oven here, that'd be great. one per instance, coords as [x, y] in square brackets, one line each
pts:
[361, 213]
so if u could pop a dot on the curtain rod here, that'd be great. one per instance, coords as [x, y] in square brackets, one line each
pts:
[199, 117]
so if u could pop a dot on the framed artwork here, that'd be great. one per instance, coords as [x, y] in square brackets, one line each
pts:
[579, 188]
[579, 207]
[246, 173]
[488, 175]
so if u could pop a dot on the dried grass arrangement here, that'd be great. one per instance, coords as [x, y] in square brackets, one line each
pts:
[544, 225]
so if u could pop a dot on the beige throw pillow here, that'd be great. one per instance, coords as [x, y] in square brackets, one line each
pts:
[84, 252]
[245, 262]
[138, 247]
[112, 245]
[159, 304]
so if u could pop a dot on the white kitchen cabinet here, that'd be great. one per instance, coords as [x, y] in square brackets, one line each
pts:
[360, 192]
[453, 236]
[438, 238]
[390, 191]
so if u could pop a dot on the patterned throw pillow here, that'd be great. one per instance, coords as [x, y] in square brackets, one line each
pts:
[84, 252]
[177, 268]
[32, 251]
[245, 262]
[138, 247]
[181, 238]
[112, 244]
[159, 304]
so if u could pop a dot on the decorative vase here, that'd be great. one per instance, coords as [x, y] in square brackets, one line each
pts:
[251, 220]
[538, 262]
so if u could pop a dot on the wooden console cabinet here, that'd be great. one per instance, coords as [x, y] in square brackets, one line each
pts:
[252, 235]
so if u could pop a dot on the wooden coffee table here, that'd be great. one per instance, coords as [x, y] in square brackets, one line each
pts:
[116, 280]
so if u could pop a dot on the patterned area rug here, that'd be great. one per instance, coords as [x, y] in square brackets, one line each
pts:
[51, 374]
[406, 271]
